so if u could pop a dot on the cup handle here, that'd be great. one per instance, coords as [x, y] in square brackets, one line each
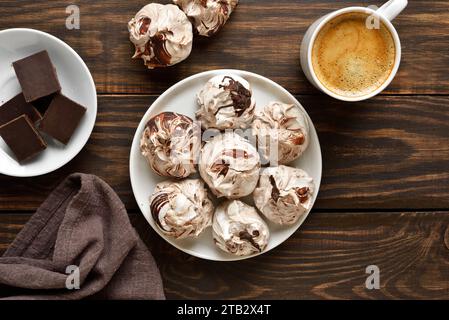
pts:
[392, 8]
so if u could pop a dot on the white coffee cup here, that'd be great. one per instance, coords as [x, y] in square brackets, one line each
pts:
[385, 14]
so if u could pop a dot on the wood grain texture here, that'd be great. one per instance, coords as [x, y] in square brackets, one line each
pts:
[386, 153]
[325, 259]
[262, 36]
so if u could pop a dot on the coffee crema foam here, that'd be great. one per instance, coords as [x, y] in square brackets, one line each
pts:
[350, 59]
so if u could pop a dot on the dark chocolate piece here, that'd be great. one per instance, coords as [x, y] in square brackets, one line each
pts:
[155, 206]
[16, 107]
[37, 76]
[62, 118]
[22, 138]
[245, 235]
[241, 97]
[275, 193]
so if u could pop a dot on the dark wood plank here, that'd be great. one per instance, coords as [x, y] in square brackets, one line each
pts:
[262, 36]
[325, 259]
[387, 153]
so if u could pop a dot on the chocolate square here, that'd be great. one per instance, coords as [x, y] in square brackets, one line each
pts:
[37, 76]
[62, 118]
[16, 107]
[22, 138]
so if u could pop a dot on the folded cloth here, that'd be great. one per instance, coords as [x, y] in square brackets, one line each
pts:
[81, 227]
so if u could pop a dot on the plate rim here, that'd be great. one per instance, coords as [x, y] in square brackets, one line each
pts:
[95, 107]
[174, 87]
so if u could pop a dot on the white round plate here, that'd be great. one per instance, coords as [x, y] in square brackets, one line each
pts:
[181, 98]
[76, 83]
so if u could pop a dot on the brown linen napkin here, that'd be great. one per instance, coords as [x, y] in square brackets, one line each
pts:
[82, 223]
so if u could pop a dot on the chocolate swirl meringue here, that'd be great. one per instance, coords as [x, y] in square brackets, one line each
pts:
[226, 102]
[208, 16]
[284, 194]
[238, 229]
[171, 143]
[229, 165]
[181, 209]
[162, 35]
[282, 125]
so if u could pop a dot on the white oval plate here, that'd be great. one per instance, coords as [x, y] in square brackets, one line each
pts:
[76, 83]
[181, 98]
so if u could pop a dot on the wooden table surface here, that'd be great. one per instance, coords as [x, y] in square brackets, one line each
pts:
[384, 197]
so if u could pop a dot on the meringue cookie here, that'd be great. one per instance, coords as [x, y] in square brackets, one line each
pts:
[284, 194]
[229, 165]
[181, 209]
[226, 102]
[208, 16]
[282, 125]
[162, 35]
[171, 143]
[238, 229]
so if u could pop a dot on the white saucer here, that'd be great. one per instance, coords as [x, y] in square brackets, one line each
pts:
[76, 82]
[180, 98]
